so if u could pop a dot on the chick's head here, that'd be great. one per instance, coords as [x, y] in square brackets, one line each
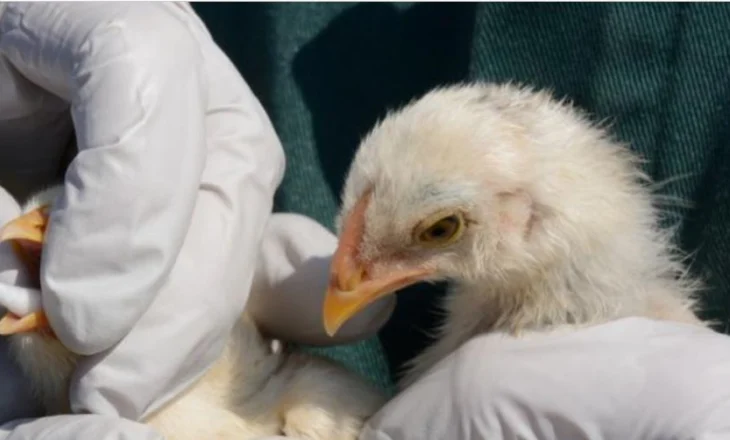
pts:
[490, 184]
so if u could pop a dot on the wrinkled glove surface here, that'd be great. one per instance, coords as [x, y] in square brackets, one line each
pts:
[150, 254]
[631, 379]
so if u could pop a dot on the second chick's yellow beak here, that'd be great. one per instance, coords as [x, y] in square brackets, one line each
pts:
[26, 233]
[30, 226]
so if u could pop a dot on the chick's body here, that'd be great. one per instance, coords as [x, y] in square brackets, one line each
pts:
[252, 390]
[537, 217]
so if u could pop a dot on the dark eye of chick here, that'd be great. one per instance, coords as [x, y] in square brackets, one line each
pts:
[442, 230]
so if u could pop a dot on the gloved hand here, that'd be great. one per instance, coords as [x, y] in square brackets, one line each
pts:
[632, 379]
[149, 257]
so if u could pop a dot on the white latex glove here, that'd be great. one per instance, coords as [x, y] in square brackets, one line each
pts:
[633, 379]
[150, 256]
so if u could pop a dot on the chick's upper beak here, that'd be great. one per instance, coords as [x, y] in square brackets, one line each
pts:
[351, 287]
[11, 324]
[30, 226]
[26, 233]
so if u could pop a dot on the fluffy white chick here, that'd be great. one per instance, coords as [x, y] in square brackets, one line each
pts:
[253, 390]
[538, 218]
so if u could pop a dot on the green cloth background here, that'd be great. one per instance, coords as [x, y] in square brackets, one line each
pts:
[660, 73]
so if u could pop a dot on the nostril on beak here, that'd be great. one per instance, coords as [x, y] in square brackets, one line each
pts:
[350, 279]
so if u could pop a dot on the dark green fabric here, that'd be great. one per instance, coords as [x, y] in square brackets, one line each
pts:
[660, 73]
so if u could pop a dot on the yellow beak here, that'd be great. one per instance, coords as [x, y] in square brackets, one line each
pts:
[26, 233]
[350, 289]
[341, 304]
[30, 226]
[11, 324]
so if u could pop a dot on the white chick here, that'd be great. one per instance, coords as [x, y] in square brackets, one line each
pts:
[253, 390]
[538, 218]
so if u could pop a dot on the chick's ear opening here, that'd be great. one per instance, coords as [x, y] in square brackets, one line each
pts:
[516, 214]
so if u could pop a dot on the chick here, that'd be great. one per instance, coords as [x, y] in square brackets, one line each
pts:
[538, 218]
[253, 390]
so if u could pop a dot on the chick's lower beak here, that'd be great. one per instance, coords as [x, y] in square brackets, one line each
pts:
[26, 233]
[343, 301]
[351, 287]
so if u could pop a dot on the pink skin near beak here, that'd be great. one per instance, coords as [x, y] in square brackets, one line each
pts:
[349, 289]
[26, 233]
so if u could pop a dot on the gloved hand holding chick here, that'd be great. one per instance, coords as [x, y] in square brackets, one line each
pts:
[152, 245]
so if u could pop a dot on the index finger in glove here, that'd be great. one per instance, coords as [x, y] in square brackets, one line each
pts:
[186, 327]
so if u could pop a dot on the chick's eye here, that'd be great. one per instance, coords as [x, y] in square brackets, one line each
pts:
[442, 231]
